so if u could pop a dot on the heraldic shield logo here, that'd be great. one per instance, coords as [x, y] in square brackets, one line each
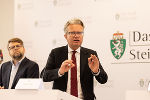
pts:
[118, 45]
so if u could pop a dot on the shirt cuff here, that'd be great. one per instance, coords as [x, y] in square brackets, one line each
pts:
[59, 75]
[96, 74]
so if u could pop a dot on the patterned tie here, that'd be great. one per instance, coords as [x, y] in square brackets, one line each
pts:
[74, 87]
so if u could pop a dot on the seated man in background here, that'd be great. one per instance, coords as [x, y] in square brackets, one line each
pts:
[18, 67]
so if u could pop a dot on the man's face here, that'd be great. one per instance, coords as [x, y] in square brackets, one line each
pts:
[74, 36]
[16, 50]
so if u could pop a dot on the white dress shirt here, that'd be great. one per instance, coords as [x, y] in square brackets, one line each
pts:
[77, 55]
[14, 70]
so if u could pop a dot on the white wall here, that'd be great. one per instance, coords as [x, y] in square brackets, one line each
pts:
[6, 25]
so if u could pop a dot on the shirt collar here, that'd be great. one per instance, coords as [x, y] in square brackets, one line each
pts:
[70, 50]
[18, 61]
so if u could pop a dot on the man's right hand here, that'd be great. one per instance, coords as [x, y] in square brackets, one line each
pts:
[65, 66]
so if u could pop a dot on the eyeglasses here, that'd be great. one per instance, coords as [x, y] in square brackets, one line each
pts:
[15, 46]
[77, 33]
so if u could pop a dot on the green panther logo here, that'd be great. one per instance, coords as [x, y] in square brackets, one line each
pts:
[118, 45]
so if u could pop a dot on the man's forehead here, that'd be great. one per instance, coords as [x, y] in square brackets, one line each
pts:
[14, 43]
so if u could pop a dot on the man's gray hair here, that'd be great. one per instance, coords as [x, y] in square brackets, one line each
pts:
[73, 21]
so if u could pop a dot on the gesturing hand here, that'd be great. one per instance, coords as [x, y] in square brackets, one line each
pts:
[65, 66]
[93, 63]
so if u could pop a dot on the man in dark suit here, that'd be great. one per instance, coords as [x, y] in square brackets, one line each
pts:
[63, 60]
[18, 67]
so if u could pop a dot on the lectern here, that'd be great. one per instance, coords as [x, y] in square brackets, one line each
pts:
[12, 94]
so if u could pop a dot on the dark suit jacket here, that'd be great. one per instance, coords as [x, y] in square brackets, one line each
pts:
[57, 56]
[27, 69]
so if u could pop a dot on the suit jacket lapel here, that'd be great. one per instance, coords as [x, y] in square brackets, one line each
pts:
[65, 55]
[83, 61]
[8, 74]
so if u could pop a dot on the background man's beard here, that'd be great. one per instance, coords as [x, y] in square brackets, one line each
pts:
[18, 57]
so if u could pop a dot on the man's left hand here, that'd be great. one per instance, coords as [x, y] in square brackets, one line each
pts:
[93, 63]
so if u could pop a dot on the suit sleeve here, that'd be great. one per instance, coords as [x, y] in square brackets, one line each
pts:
[33, 71]
[50, 72]
[102, 77]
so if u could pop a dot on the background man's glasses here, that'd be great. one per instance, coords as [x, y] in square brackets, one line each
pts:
[77, 33]
[15, 46]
